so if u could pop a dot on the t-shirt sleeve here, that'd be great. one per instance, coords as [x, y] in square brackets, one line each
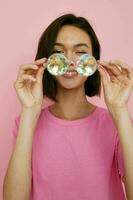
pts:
[15, 129]
[119, 155]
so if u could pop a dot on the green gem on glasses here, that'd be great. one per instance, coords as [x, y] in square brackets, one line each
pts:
[86, 65]
[57, 64]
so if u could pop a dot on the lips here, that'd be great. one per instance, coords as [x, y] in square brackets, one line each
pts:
[70, 74]
[72, 70]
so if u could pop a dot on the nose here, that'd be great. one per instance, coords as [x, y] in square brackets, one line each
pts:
[72, 64]
[72, 61]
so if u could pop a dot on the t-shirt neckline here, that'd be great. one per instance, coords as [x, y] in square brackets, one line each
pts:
[58, 120]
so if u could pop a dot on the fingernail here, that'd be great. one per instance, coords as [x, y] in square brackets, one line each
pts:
[98, 61]
[34, 79]
[97, 66]
[36, 67]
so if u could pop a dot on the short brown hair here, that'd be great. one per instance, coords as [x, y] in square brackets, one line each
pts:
[45, 49]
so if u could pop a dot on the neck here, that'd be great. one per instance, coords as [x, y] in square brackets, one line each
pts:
[72, 104]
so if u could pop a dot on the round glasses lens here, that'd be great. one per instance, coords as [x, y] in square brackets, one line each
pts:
[57, 64]
[86, 65]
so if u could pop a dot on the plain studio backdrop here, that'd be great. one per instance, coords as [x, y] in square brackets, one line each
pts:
[21, 24]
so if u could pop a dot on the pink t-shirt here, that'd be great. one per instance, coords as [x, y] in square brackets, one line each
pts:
[76, 160]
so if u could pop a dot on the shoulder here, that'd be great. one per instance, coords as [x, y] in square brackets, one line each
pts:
[105, 121]
[104, 114]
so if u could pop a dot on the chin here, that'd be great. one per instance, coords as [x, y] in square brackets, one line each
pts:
[70, 84]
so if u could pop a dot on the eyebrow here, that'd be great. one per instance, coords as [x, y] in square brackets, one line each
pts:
[76, 45]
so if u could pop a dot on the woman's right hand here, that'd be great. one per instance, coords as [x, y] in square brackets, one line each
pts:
[28, 86]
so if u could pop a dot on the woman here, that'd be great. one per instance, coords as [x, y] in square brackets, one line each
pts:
[71, 150]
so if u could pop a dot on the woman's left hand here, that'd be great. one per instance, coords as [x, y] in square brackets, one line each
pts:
[117, 81]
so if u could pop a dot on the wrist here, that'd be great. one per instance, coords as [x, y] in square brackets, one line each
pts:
[118, 112]
[117, 108]
[32, 112]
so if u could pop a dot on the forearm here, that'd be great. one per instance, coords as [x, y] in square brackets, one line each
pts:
[17, 183]
[124, 125]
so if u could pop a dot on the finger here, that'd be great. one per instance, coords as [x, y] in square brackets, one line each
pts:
[114, 78]
[24, 80]
[28, 66]
[27, 77]
[40, 74]
[124, 67]
[113, 68]
[120, 63]
[40, 61]
[121, 78]
[104, 78]
[33, 65]
[24, 68]
[110, 73]
[123, 71]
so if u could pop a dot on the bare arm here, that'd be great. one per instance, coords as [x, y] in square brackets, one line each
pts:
[122, 119]
[29, 89]
[17, 182]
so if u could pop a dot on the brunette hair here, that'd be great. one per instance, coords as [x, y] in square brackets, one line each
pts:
[46, 46]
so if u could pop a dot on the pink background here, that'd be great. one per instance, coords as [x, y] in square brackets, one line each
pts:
[22, 23]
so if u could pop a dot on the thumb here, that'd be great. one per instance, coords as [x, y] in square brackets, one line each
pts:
[40, 74]
[104, 77]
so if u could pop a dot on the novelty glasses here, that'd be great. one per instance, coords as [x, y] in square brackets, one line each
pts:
[58, 64]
